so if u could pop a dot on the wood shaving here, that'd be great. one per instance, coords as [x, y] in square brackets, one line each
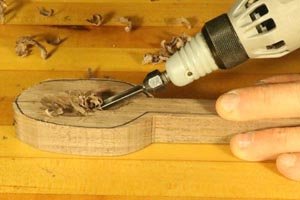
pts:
[67, 18]
[90, 101]
[24, 45]
[54, 40]
[150, 58]
[96, 19]
[168, 48]
[47, 13]
[127, 22]
[3, 3]
[185, 22]
[3, 7]
[72, 103]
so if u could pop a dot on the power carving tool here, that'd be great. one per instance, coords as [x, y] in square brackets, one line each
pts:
[251, 29]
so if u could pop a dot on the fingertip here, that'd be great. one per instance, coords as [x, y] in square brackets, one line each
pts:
[234, 147]
[289, 165]
[227, 105]
[240, 146]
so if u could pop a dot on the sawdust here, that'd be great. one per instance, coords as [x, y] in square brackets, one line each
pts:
[73, 103]
[168, 48]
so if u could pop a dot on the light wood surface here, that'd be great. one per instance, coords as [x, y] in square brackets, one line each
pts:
[26, 11]
[177, 170]
[107, 49]
[126, 128]
[158, 171]
[94, 197]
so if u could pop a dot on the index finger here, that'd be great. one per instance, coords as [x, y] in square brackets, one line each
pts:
[261, 102]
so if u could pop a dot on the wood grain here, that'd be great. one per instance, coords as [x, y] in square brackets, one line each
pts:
[12, 147]
[145, 178]
[14, 82]
[76, 12]
[125, 129]
[94, 197]
[162, 170]
[111, 49]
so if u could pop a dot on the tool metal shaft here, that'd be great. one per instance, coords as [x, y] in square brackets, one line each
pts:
[123, 95]
[154, 81]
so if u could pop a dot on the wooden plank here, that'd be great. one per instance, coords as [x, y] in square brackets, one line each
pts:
[124, 129]
[227, 180]
[102, 37]
[6, 112]
[129, 1]
[76, 13]
[14, 82]
[11, 147]
[105, 59]
[204, 171]
[94, 197]
[145, 178]
[97, 51]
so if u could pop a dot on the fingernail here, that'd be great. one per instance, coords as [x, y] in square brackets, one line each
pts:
[245, 140]
[289, 160]
[230, 101]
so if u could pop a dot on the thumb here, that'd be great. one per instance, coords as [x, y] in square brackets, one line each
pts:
[289, 165]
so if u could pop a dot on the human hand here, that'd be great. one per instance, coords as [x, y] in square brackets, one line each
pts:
[275, 97]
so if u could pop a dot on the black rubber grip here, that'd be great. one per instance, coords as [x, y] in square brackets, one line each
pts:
[224, 43]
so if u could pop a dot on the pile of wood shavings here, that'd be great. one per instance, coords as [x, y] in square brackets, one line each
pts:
[3, 7]
[168, 48]
[72, 103]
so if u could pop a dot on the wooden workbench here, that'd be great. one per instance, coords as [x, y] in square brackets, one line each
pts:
[161, 171]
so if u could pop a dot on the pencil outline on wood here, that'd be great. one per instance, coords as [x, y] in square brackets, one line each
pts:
[125, 123]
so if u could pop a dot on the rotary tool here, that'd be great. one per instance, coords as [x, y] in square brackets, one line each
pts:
[251, 29]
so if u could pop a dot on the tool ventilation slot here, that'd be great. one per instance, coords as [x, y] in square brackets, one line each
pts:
[276, 45]
[266, 26]
[259, 12]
